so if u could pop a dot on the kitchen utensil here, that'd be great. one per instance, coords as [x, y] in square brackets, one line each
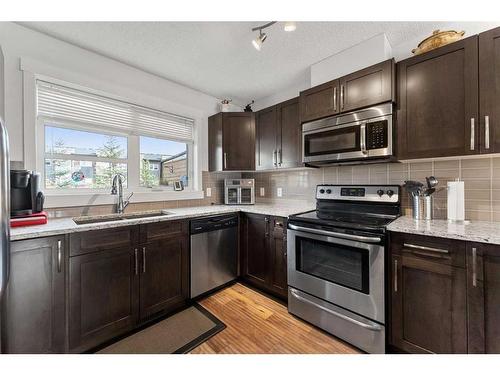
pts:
[431, 182]
[414, 187]
[422, 207]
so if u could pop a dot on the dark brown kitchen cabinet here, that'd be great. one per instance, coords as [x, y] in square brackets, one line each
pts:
[428, 295]
[278, 136]
[164, 276]
[231, 141]
[369, 86]
[34, 310]
[320, 101]
[264, 253]
[483, 291]
[489, 90]
[437, 102]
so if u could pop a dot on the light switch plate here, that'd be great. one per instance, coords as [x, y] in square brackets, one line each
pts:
[208, 192]
[279, 192]
[262, 192]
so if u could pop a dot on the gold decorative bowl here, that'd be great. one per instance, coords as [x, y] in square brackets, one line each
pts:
[438, 39]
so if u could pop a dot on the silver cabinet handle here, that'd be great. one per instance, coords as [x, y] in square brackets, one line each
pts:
[487, 132]
[362, 137]
[136, 263]
[474, 267]
[280, 157]
[144, 259]
[335, 98]
[225, 160]
[59, 255]
[370, 326]
[335, 234]
[472, 135]
[275, 157]
[433, 249]
[395, 275]
[341, 96]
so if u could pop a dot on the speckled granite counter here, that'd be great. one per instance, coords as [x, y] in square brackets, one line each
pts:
[67, 225]
[475, 231]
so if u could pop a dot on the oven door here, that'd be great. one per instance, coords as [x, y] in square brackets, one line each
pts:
[343, 269]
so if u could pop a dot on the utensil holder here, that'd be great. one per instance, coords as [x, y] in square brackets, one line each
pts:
[422, 207]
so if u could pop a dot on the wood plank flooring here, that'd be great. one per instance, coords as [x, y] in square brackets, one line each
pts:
[257, 324]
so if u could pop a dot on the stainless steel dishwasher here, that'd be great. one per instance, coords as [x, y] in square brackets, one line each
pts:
[214, 252]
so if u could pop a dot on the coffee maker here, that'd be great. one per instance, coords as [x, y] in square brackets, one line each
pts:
[26, 198]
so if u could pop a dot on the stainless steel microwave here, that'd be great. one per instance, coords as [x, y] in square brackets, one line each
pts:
[239, 191]
[356, 136]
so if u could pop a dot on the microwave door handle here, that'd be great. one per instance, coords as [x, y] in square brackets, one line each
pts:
[336, 234]
[362, 137]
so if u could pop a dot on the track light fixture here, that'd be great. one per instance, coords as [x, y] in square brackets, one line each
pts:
[259, 40]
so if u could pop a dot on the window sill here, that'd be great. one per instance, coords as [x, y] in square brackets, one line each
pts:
[53, 200]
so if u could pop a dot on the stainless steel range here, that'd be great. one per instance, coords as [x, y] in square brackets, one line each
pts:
[336, 258]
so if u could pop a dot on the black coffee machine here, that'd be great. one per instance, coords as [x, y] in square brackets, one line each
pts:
[26, 198]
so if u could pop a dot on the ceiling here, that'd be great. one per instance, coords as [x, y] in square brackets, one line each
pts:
[217, 57]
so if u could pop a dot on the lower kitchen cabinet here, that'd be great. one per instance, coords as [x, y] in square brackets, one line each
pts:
[164, 278]
[103, 296]
[264, 253]
[34, 309]
[483, 289]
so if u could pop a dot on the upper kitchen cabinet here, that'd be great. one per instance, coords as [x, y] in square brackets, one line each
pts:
[369, 86]
[438, 102]
[231, 141]
[489, 90]
[278, 135]
[366, 87]
[319, 101]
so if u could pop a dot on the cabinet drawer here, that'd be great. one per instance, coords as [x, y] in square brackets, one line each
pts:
[163, 230]
[433, 249]
[104, 239]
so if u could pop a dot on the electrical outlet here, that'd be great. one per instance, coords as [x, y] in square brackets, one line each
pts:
[262, 192]
[208, 192]
[279, 192]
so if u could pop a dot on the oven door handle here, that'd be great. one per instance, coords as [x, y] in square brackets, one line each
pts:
[336, 234]
[370, 326]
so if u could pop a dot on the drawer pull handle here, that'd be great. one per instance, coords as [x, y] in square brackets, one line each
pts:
[474, 267]
[426, 248]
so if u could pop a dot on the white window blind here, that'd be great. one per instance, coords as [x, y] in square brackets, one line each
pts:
[63, 103]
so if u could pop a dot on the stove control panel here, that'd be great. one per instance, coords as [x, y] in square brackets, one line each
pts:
[363, 193]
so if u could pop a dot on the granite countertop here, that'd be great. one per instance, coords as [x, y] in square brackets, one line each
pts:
[67, 225]
[474, 231]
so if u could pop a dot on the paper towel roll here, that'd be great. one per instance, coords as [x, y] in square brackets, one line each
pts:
[456, 201]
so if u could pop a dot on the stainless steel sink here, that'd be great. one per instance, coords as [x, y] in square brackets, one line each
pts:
[118, 217]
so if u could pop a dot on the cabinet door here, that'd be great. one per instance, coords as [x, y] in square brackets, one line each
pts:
[483, 289]
[34, 320]
[369, 86]
[215, 143]
[164, 276]
[278, 257]
[428, 306]
[289, 135]
[238, 138]
[319, 101]
[438, 102]
[266, 133]
[255, 246]
[489, 88]
[103, 293]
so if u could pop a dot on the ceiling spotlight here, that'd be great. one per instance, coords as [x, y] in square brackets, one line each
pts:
[257, 42]
[290, 26]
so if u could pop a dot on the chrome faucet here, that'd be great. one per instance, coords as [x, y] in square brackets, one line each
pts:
[118, 183]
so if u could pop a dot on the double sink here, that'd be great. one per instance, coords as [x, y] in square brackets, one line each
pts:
[118, 217]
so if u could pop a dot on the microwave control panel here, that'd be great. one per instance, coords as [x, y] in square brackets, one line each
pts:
[376, 135]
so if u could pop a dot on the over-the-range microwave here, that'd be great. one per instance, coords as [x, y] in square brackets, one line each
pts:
[360, 136]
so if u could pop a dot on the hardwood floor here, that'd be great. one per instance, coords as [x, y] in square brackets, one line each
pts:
[257, 324]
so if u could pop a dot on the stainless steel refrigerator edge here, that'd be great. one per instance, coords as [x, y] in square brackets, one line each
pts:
[4, 199]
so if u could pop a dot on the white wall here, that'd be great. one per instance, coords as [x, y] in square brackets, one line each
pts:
[86, 68]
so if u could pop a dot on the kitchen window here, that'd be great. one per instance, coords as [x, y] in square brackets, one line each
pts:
[88, 138]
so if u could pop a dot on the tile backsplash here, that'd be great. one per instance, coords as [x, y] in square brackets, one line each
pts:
[480, 174]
